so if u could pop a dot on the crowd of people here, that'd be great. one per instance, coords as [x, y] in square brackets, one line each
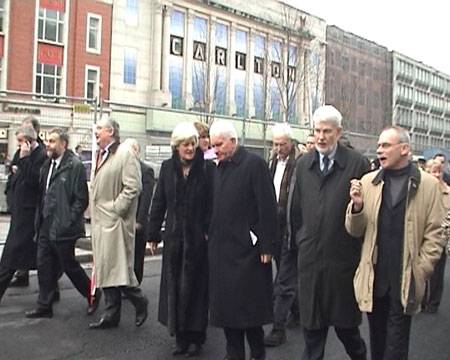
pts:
[345, 236]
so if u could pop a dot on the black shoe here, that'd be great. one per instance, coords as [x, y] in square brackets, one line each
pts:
[56, 296]
[19, 282]
[193, 350]
[39, 313]
[104, 323]
[142, 312]
[180, 349]
[276, 337]
[430, 309]
[92, 307]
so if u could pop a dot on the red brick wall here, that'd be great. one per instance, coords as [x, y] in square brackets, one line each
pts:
[77, 56]
[21, 45]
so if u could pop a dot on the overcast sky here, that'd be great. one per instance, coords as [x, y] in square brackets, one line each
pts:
[420, 30]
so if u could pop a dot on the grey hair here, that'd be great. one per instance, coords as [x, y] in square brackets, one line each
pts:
[63, 135]
[28, 132]
[33, 121]
[223, 128]
[282, 130]
[403, 134]
[328, 113]
[182, 132]
[112, 124]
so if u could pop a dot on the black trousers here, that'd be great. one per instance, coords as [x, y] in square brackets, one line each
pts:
[435, 285]
[139, 255]
[389, 329]
[315, 341]
[6, 275]
[236, 343]
[184, 338]
[113, 300]
[54, 257]
[285, 287]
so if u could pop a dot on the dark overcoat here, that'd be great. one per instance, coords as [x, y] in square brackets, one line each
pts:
[186, 205]
[20, 248]
[327, 255]
[244, 201]
[65, 200]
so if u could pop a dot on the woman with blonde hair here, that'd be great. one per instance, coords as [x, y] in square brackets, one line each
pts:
[183, 198]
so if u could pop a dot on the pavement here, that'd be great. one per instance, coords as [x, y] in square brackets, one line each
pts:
[66, 336]
[83, 249]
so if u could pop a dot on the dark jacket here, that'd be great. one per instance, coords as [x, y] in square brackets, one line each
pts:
[66, 199]
[284, 189]
[20, 249]
[244, 201]
[186, 205]
[327, 255]
[145, 197]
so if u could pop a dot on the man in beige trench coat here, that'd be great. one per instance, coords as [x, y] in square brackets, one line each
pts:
[116, 184]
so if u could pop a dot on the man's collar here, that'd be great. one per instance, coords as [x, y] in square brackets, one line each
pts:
[338, 154]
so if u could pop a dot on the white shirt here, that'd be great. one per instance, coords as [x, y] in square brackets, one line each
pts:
[278, 177]
[331, 156]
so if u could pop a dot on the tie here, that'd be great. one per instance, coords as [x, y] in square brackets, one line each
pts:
[326, 163]
[50, 173]
[100, 158]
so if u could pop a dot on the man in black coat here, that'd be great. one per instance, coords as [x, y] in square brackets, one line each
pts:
[282, 166]
[327, 255]
[20, 249]
[145, 199]
[21, 277]
[242, 231]
[63, 198]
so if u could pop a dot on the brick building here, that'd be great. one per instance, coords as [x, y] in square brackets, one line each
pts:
[358, 82]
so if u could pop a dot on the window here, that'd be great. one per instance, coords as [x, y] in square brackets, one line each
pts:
[2, 14]
[92, 82]
[132, 12]
[48, 79]
[129, 66]
[94, 34]
[51, 25]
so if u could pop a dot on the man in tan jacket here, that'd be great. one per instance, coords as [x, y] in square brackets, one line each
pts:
[398, 211]
[116, 184]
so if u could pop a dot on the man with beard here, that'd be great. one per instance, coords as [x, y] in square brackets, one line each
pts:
[327, 254]
[64, 197]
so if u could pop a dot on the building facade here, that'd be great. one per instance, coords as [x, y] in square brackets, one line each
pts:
[421, 103]
[252, 62]
[358, 83]
[55, 57]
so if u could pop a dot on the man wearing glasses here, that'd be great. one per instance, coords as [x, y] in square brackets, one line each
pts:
[398, 210]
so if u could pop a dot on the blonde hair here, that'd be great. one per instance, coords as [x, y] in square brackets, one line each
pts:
[182, 132]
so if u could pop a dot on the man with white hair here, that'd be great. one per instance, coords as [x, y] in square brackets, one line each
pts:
[116, 184]
[242, 231]
[327, 254]
[282, 165]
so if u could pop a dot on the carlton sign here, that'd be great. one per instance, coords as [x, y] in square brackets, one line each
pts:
[220, 58]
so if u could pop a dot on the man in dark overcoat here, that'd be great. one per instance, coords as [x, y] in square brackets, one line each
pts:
[20, 249]
[282, 166]
[145, 199]
[242, 231]
[327, 255]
